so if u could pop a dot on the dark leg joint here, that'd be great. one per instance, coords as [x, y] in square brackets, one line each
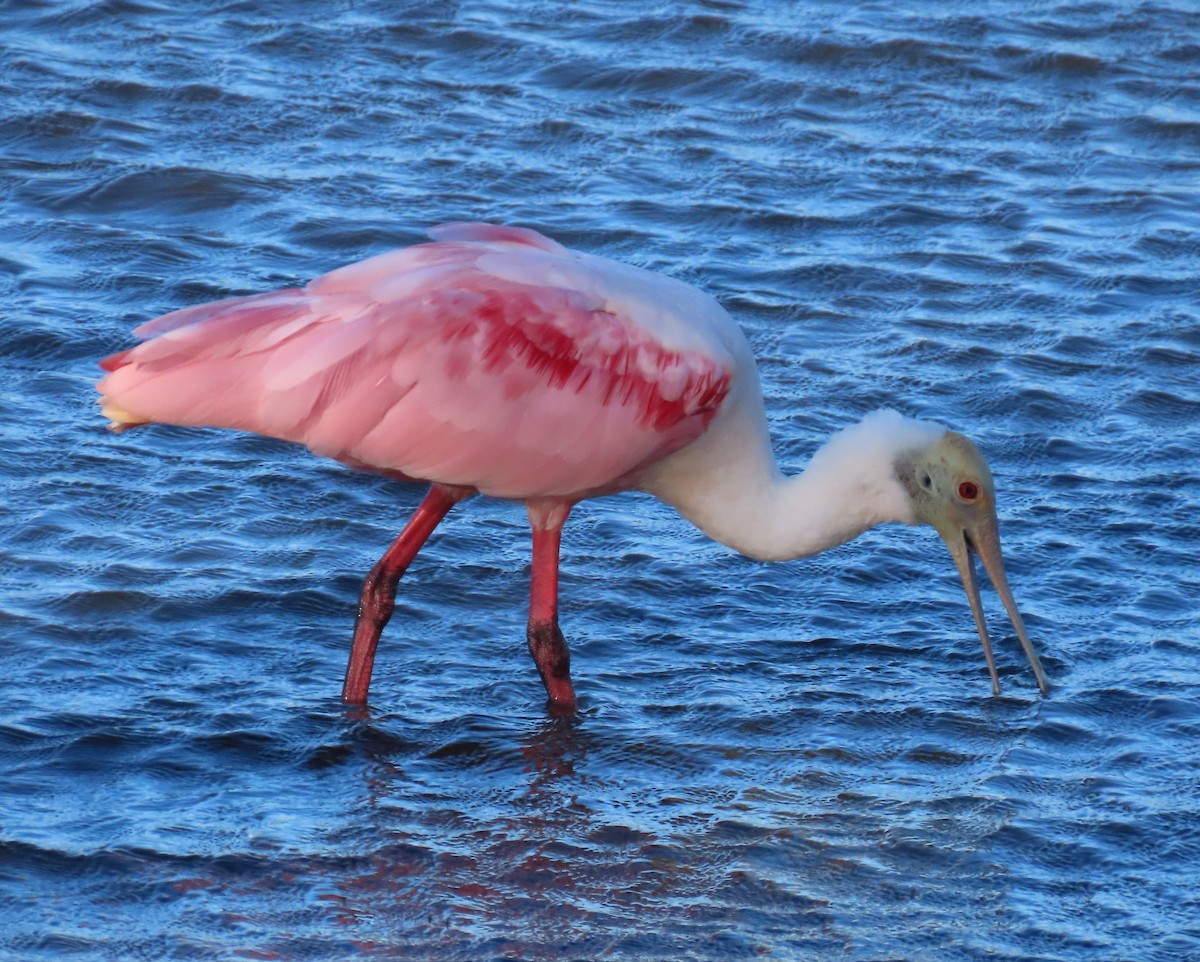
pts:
[553, 660]
[378, 598]
[549, 650]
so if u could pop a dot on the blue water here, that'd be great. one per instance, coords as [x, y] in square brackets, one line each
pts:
[984, 213]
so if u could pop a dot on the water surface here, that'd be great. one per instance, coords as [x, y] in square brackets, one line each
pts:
[980, 213]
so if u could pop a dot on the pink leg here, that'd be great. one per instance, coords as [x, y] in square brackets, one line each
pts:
[378, 596]
[546, 642]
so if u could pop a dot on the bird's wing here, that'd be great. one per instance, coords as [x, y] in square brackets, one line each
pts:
[493, 358]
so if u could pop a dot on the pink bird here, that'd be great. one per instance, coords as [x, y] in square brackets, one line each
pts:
[496, 361]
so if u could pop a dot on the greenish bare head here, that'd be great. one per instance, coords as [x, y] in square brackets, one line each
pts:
[951, 488]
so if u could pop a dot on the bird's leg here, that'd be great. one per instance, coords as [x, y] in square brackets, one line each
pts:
[546, 642]
[378, 596]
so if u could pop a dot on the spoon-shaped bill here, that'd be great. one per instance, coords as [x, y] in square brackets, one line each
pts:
[984, 540]
[966, 571]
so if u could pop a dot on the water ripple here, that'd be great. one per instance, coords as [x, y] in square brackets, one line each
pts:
[982, 215]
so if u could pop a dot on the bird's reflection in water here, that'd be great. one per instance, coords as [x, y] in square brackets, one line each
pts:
[551, 750]
[497, 857]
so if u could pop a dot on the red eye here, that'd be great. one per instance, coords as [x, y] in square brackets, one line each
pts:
[968, 491]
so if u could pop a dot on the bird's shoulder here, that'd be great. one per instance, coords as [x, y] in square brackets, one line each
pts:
[474, 273]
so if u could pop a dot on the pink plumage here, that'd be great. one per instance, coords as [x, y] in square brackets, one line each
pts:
[492, 359]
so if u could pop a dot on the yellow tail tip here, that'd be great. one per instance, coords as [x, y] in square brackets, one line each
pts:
[118, 418]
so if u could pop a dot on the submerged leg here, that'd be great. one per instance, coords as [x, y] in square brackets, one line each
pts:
[546, 642]
[378, 596]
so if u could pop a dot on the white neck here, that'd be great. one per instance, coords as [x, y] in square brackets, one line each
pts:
[728, 485]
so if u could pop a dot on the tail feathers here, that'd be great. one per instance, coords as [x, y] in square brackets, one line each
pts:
[118, 418]
[202, 312]
[196, 365]
[114, 361]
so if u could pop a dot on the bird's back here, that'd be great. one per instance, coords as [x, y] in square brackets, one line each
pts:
[493, 358]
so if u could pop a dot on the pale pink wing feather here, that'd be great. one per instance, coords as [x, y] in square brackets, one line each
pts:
[494, 358]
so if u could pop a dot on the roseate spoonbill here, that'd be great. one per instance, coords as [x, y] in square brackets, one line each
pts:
[496, 361]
